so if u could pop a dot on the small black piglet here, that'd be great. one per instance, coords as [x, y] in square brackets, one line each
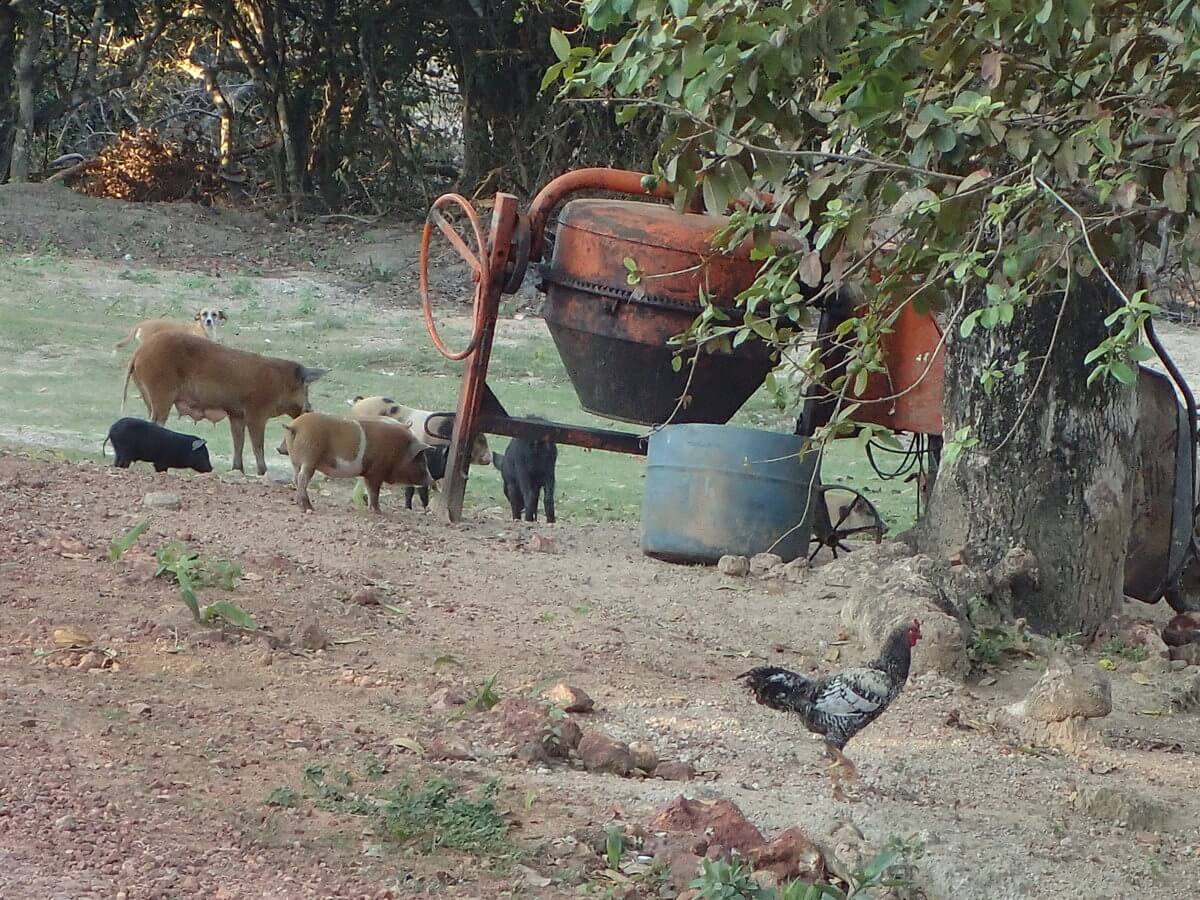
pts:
[435, 458]
[528, 468]
[137, 440]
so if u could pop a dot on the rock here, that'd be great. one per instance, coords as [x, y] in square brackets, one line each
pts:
[764, 563]
[367, 596]
[1182, 629]
[1154, 665]
[569, 698]
[66, 823]
[90, 660]
[449, 746]
[312, 636]
[522, 720]
[674, 770]
[70, 636]
[139, 710]
[792, 854]
[1189, 654]
[1185, 696]
[1177, 665]
[601, 753]
[569, 735]
[766, 880]
[1066, 693]
[734, 566]
[542, 544]
[161, 500]
[1120, 806]
[643, 756]
[532, 752]
[718, 824]
[447, 698]
[796, 570]
[1077, 735]
[885, 591]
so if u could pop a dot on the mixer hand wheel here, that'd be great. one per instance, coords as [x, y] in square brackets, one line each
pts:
[477, 258]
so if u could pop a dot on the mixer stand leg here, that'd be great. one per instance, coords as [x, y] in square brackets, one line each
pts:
[474, 384]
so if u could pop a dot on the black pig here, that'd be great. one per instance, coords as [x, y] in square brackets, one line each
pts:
[528, 467]
[435, 458]
[137, 440]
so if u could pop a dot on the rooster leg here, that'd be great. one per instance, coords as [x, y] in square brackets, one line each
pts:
[842, 763]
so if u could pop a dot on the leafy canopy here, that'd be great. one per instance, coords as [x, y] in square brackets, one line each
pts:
[952, 151]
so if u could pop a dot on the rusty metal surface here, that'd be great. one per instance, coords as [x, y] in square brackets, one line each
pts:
[617, 181]
[1161, 489]
[908, 398]
[470, 395]
[612, 336]
[617, 358]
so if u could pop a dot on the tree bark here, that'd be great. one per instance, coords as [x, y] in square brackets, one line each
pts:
[1057, 481]
[26, 76]
[8, 112]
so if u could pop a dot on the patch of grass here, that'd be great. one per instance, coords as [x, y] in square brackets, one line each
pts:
[433, 816]
[58, 371]
[1117, 648]
[140, 277]
[373, 272]
[486, 697]
[242, 288]
[887, 874]
[190, 572]
[284, 797]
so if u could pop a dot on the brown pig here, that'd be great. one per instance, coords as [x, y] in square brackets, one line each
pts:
[206, 380]
[381, 450]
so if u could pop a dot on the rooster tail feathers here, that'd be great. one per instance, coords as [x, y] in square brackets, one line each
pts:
[779, 688]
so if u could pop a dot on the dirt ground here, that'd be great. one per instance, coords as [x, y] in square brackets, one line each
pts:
[147, 773]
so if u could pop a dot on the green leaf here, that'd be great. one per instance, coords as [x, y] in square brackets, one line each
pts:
[559, 44]
[1044, 14]
[1175, 189]
[679, 8]
[968, 323]
[230, 612]
[625, 114]
[1122, 372]
[191, 601]
[120, 546]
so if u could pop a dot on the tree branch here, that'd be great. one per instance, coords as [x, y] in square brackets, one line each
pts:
[814, 155]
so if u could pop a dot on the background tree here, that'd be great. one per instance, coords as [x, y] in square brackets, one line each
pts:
[1002, 161]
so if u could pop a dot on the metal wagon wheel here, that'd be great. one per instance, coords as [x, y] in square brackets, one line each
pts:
[842, 512]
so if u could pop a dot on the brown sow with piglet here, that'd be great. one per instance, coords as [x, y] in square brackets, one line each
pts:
[381, 450]
[206, 380]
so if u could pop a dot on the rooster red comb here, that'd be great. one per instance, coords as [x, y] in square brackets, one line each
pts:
[914, 632]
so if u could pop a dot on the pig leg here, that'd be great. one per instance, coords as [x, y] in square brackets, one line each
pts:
[409, 490]
[423, 493]
[258, 429]
[304, 475]
[513, 493]
[237, 430]
[122, 462]
[373, 495]
[529, 495]
[548, 497]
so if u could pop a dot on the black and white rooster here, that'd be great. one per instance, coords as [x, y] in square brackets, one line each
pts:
[839, 706]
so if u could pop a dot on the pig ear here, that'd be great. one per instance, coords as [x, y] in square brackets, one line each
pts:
[356, 399]
[197, 443]
[308, 376]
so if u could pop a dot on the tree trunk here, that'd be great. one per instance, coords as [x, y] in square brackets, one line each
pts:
[26, 75]
[1057, 481]
[293, 163]
[8, 112]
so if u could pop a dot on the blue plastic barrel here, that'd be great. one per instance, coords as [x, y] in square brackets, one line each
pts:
[718, 489]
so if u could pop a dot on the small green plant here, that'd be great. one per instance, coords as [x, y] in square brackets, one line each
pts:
[139, 277]
[1115, 647]
[486, 697]
[614, 846]
[118, 547]
[989, 647]
[190, 573]
[284, 797]
[888, 873]
[242, 288]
